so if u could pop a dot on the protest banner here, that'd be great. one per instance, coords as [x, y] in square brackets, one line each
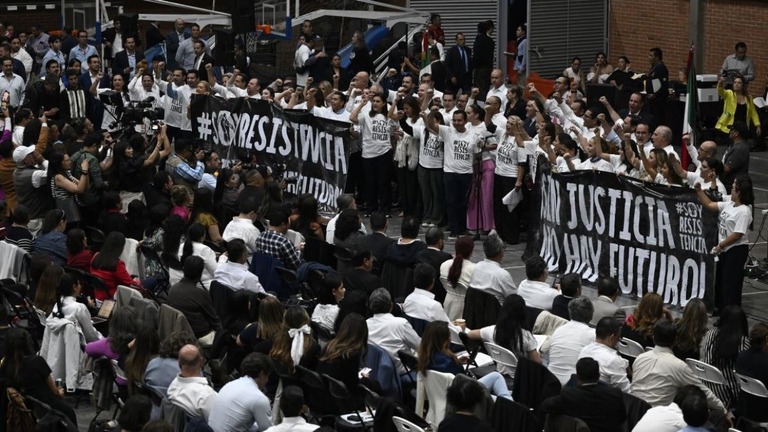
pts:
[651, 238]
[312, 150]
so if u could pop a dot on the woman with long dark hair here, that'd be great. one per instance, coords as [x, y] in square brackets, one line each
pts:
[348, 229]
[734, 220]
[458, 271]
[691, 328]
[639, 325]
[294, 344]
[309, 223]
[721, 347]
[331, 293]
[27, 372]
[64, 186]
[375, 129]
[435, 354]
[228, 186]
[124, 324]
[79, 256]
[509, 332]
[174, 232]
[193, 245]
[108, 266]
[68, 307]
[202, 213]
[47, 289]
[344, 354]
[407, 155]
[146, 347]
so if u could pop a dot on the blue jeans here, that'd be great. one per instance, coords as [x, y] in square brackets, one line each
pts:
[495, 383]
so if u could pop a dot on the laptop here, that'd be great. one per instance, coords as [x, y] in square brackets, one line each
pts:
[104, 312]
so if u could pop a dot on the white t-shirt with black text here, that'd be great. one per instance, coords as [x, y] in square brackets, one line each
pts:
[733, 219]
[376, 134]
[460, 149]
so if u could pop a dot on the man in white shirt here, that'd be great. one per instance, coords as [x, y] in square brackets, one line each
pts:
[238, 87]
[241, 405]
[234, 272]
[335, 109]
[535, 290]
[299, 62]
[565, 344]
[241, 226]
[488, 276]
[460, 146]
[498, 88]
[20, 54]
[292, 406]
[449, 105]
[343, 202]
[643, 136]
[11, 83]
[658, 374]
[390, 333]
[667, 418]
[190, 389]
[421, 303]
[662, 138]
[613, 368]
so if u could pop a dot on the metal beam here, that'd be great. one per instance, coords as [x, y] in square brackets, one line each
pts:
[188, 7]
[695, 31]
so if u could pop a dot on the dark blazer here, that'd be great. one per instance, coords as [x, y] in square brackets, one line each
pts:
[95, 108]
[202, 72]
[108, 35]
[121, 62]
[753, 363]
[560, 306]
[18, 69]
[599, 405]
[435, 258]
[439, 75]
[455, 66]
[172, 46]
[153, 36]
[359, 279]
[645, 116]
[378, 244]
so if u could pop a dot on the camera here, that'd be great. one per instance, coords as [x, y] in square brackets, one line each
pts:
[137, 111]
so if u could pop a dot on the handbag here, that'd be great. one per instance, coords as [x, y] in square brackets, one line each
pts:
[70, 208]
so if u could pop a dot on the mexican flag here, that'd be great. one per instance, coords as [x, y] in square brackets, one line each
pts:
[691, 110]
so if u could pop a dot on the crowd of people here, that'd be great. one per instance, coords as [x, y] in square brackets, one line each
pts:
[90, 178]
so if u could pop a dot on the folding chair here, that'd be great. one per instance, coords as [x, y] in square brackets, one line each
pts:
[705, 372]
[410, 364]
[752, 386]
[504, 357]
[345, 404]
[404, 425]
[629, 348]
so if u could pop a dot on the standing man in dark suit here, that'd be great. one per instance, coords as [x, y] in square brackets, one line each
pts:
[598, 404]
[377, 241]
[657, 84]
[154, 38]
[125, 61]
[113, 40]
[93, 105]
[172, 41]
[458, 62]
[201, 58]
[434, 256]
[484, 54]
[438, 70]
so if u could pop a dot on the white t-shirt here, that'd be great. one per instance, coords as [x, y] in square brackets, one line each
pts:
[695, 178]
[733, 219]
[508, 157]
[430, 147]
[300, 57]
[376, 132]
[460, 148]
[176, 108]
[598, 164]
[529, 344]
[329, 113]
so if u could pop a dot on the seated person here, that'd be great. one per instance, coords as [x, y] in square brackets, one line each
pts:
[52, 239]
[163, 369]
[190, 298]
[361, 277]
[403, 252]
[241, 404]
[234, 272]
[107, 266]
[535, 290]
[68, 307]
[488, 275]
[80, 256]
[292, 406]
[273, 241]
[331, 293]
[17, 232]
[567, 341]
[390, 333]
[754, 363]
[190, 389]
[464, 395]
[598, 404]
[570, 286]
[421, 303]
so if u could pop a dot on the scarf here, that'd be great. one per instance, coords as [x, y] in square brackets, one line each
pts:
[297, 344]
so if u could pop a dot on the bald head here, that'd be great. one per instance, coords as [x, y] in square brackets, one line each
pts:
[707, 150]
[661, 137]
[361, 80]
[190, 361]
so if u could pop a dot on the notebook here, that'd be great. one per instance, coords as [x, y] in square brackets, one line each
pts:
[104, 312]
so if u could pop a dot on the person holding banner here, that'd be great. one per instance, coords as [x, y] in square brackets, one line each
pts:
[375, 128]
[733, 245]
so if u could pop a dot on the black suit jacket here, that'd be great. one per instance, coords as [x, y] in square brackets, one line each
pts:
[121, 62]
[599, 405]
[202, 72]
[560, 306]
[435, 258]
[455, 65]
[153, 36]
[439, 75]
[378, 244]
[359, 279]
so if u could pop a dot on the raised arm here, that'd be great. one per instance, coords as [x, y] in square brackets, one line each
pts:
[608, 108]
[704, 199]
[354, 116]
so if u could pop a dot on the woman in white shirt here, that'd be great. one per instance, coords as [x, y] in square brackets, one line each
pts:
[733, 245]
[331, 293]
[407, 153]
[121, 96]
[376, 131]
[68, 307]
[457, 272]
[194, 246]
[509, 172]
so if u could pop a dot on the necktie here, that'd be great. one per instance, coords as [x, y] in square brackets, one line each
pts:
[464, 58]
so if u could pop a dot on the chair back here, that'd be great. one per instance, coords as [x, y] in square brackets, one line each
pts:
[501, 355]
[221, 298]
[480, 308]
[531, 314]
[636, 409]
[265, 267]
[384, 370]
[752, 386]
[172, 320]
[343, 259]
[96, 238]
[512, 416]
[409, 361]
[629, 348]
[124, 294]
[418, 324]
[397, 279]
[564, 423]
[533, 384]
[705, 372]
[404, 425]
[91, 284]
[454, 299]
[433, 385]
[134, 262]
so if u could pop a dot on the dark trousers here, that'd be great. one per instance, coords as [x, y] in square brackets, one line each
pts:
[355, 184]
[456, 195]
[482, 80]
[410, 195]
[378, 182]
[729, 278]
[432, 194]
[507, 224]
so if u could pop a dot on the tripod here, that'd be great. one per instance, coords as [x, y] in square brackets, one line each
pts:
[477, 167]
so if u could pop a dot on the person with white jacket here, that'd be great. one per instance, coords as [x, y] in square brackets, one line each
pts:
[69, 308]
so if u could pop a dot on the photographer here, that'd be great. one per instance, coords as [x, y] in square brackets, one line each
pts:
[118, 99]
[90, 199]
[130, 161]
